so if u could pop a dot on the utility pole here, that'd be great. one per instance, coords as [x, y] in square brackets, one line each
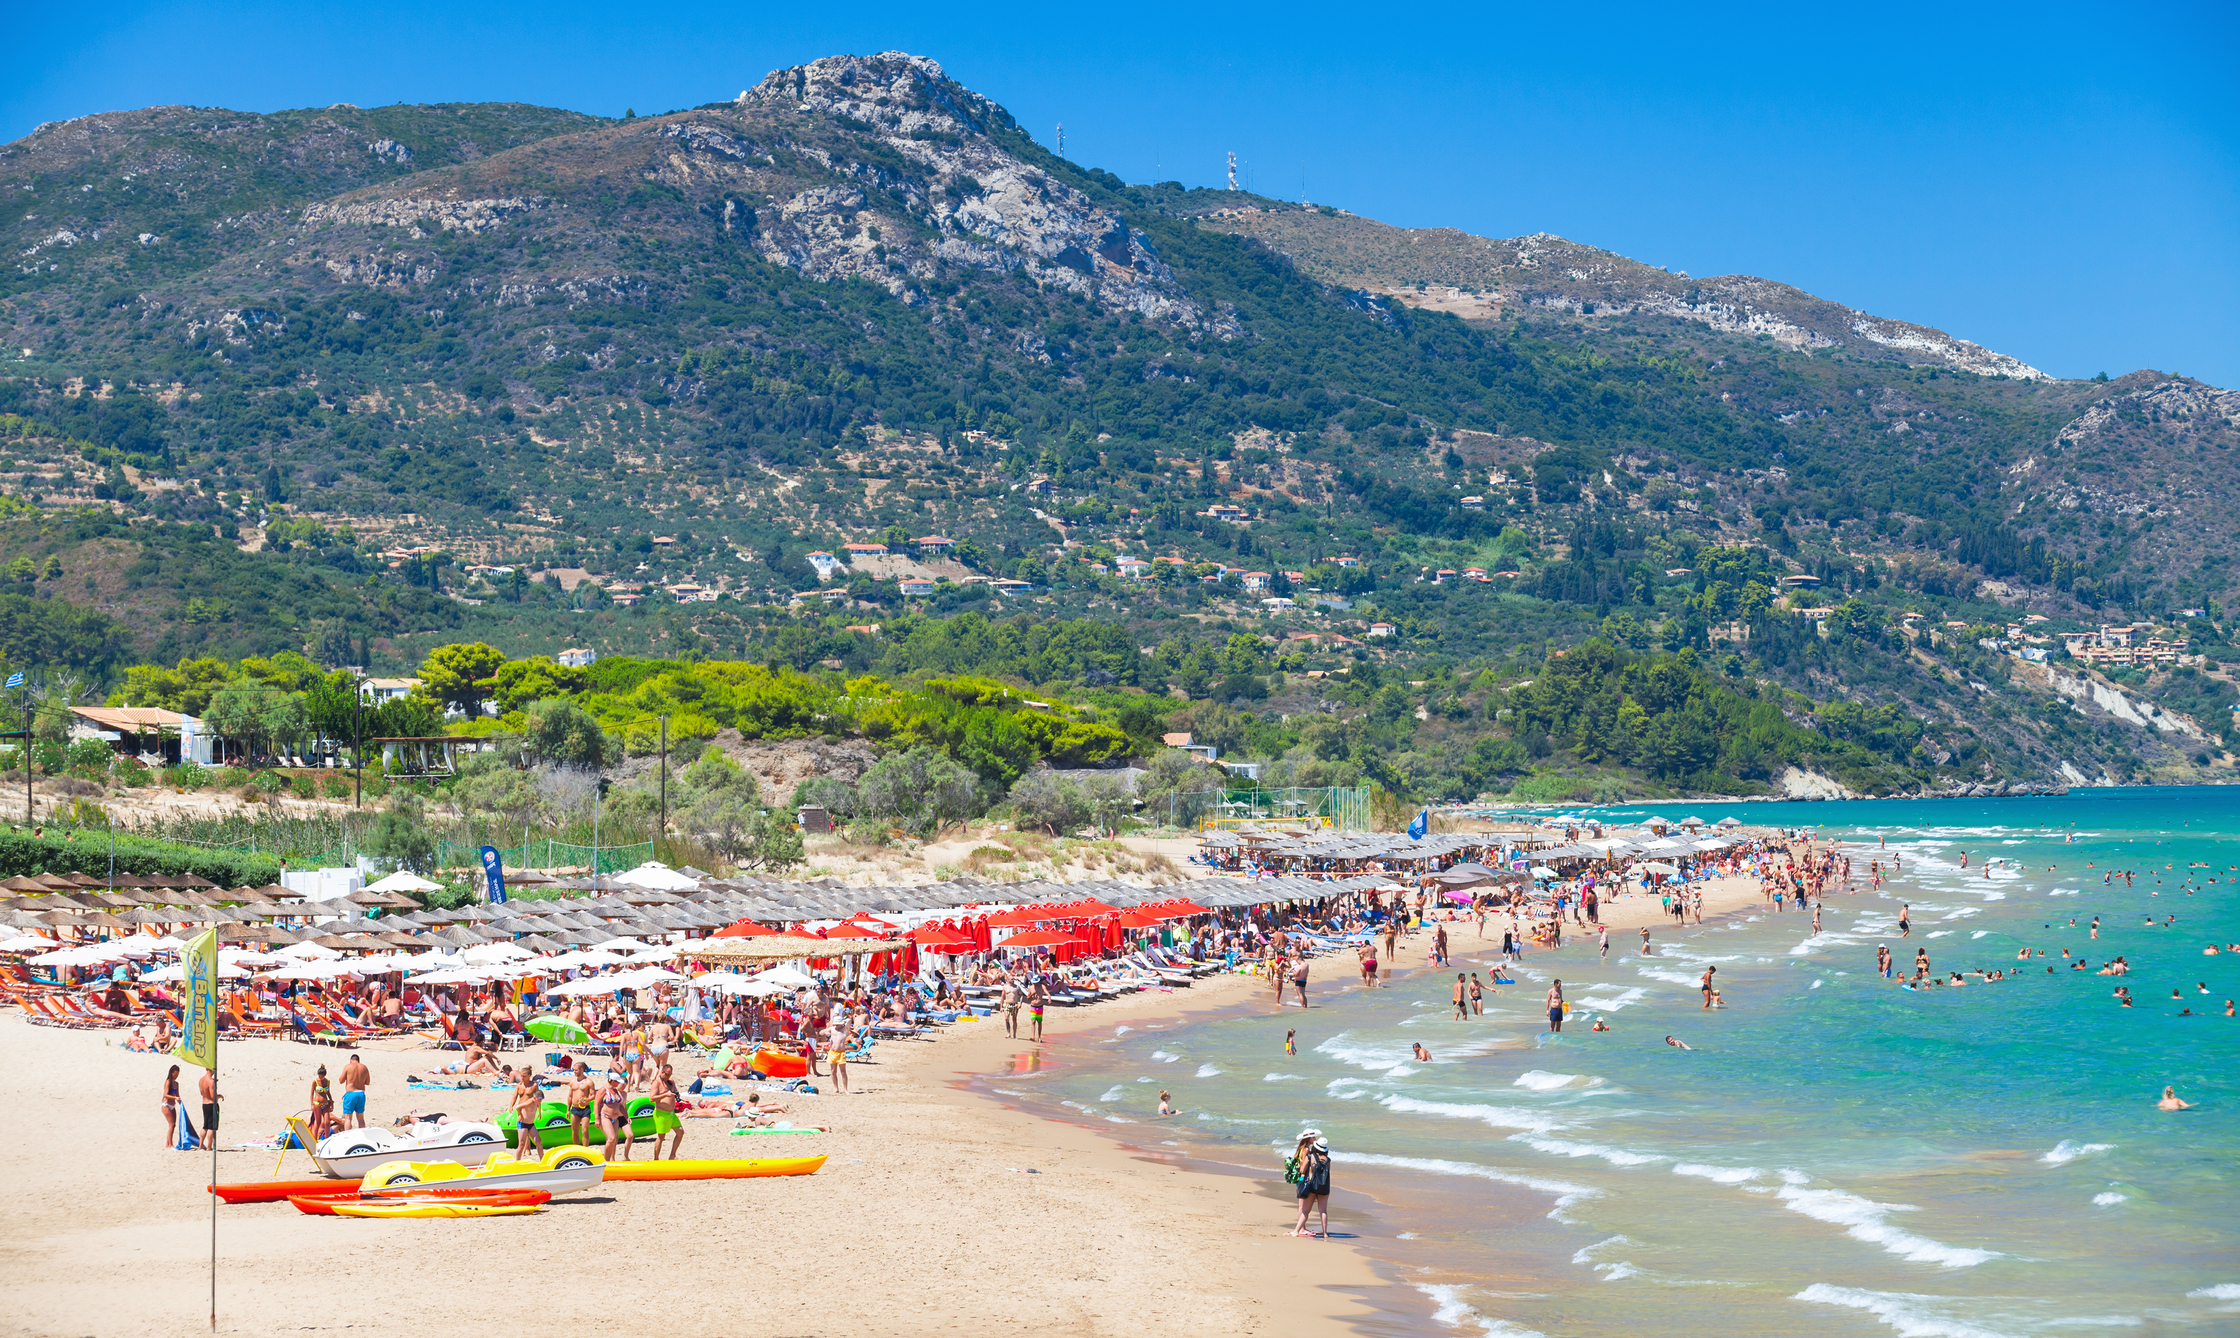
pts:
[358, 734]
[664, 828]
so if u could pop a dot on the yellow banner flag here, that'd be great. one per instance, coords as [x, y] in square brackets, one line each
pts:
[198, 1034]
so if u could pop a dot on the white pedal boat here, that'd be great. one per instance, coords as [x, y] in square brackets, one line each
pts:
[351, 1153]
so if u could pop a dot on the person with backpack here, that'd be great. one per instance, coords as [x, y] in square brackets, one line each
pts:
[1308, 1170]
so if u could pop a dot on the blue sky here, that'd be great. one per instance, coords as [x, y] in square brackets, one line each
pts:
[2058, 183]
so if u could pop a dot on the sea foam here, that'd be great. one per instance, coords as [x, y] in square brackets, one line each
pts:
[1722, 1175]
[1563, 1147]
[1565, 1192]
[1498, 1117]
[2065, 1152]
[1540, 1080]
[2223, 1291]
[1454, 1312]
[1864, 1219]
[1902, 1311]
[1207, 1071]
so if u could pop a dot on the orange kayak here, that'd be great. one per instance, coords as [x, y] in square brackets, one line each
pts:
[325, 1205]
[748, 1168]
[272, 1191]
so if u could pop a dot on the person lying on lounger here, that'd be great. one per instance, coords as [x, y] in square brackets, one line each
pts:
[476, 1061]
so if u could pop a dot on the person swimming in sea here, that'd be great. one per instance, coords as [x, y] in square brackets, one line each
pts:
[2170, 1101]
[1678, 1044]
[1423, 1056]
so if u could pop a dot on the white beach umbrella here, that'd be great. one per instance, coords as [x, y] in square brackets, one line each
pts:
[787, 976]
[403, 881]
[307, 950]
[659, 877]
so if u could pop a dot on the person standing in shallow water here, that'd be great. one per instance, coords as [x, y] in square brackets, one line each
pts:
[1555, 1007]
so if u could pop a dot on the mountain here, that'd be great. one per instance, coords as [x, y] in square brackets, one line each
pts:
[1480, 278]
[407, 358]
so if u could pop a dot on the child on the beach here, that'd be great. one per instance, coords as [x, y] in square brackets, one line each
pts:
[1166, 1104]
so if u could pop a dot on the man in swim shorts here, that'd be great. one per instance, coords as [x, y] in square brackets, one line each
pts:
[210, 1100]
[1555, 1007]
[355, 1078]
[583, 1094]
[1036, 997]
[665, 1118]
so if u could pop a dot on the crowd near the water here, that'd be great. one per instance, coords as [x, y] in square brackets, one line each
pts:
[623, 1011]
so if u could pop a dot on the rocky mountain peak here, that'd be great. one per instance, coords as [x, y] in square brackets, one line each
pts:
[917, 183]
[894, 89]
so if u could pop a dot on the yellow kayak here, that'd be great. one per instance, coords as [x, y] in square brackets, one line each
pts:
[738, 1168]
[429, 1210]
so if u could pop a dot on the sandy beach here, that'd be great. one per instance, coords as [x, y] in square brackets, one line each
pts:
[925, 1216]
[940, 1206]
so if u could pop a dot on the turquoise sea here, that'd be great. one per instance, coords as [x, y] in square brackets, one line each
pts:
[1836, 1155]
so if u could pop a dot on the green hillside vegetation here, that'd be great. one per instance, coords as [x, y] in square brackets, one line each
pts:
[292, 392]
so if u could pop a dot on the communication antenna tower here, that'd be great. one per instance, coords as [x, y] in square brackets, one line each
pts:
[1232, 169]
[1061, 139]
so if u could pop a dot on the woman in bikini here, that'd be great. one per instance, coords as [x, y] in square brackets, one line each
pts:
[634, 1054]
[614, 1116]
[171, 1108]
[322, 1107]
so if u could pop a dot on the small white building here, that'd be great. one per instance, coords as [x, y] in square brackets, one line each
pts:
[578, 657]
[379, 690]
[1382, 629]
[826, 564]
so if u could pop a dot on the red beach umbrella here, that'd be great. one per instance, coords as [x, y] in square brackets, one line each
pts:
[1021, 916]
[1037, 938]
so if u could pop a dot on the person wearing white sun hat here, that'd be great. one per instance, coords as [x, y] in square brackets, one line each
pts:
[1311, 1155]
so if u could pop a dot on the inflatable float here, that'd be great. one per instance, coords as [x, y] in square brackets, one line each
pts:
[563, 1170]
[327, 1205]
[779, 1064]
[419, 1209]
[556, 1128]
[742, 1168]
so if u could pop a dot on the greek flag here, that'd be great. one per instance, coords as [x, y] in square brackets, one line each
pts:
[15, 680]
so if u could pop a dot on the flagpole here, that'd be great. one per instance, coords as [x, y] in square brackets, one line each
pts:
[213, 1190]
